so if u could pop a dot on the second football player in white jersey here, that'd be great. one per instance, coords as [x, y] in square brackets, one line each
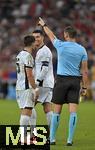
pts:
[44, 74]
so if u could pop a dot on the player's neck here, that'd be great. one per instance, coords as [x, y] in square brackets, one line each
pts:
[28, 49]
[71, 40]
[41, 45]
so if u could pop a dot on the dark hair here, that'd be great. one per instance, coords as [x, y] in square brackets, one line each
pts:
[39, 31]
[71, 31]
[29, 40]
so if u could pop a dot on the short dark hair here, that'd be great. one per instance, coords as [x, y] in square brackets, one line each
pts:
[38, 31]
[71, 31]
[29, 40]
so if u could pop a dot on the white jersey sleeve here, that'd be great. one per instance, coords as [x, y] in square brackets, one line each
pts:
[44, 61]
[44, 67]
[28, 61]
[23, 60]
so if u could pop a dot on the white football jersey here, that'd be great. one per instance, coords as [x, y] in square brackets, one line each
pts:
[44, 55]
[23, 59]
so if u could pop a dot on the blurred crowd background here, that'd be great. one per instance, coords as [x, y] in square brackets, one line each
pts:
[19, 17]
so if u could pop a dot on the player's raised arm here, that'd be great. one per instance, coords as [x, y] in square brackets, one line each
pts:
[49, 33]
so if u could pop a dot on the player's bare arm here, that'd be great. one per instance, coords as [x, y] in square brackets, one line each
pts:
[31, 80]
[49, 33]
[30, 77]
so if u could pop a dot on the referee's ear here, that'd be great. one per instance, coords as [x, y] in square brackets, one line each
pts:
[66, 36]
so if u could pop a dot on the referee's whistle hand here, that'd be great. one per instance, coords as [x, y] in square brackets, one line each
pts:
[41, 21]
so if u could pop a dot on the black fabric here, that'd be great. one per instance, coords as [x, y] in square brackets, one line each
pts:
[66, 90]
[28, 108]
[40, 82]
[44, 63]
[26, 79]
[28, 67]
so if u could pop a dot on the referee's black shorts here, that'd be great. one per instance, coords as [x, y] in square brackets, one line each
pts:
[66, 90]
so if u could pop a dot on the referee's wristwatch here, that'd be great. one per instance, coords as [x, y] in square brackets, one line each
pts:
[44, 25]
[84, 88]
[83, 91]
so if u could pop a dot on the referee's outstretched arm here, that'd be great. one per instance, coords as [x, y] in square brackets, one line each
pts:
[49, 33]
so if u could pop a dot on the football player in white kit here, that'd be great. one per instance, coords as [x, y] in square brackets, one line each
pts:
[43, 75]
[26, 90]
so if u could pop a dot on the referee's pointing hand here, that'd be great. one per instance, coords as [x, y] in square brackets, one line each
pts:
[41, 22]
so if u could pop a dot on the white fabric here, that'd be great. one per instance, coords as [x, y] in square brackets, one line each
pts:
[24, 120]
[44, 54]
[49, 116]
[23, 59]
[32, 122]
[25, 98]
[33, 117]
[93, 85]
[45, 95]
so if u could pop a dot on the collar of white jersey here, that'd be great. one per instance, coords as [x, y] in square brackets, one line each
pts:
[26, 51]
[41, 46]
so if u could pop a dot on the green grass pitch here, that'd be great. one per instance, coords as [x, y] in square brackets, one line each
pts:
[85, 132]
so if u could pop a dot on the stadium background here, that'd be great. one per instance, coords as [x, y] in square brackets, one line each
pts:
[19, 17]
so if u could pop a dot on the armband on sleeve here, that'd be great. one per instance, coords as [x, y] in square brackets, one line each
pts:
[44, 70]
[39, 82]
